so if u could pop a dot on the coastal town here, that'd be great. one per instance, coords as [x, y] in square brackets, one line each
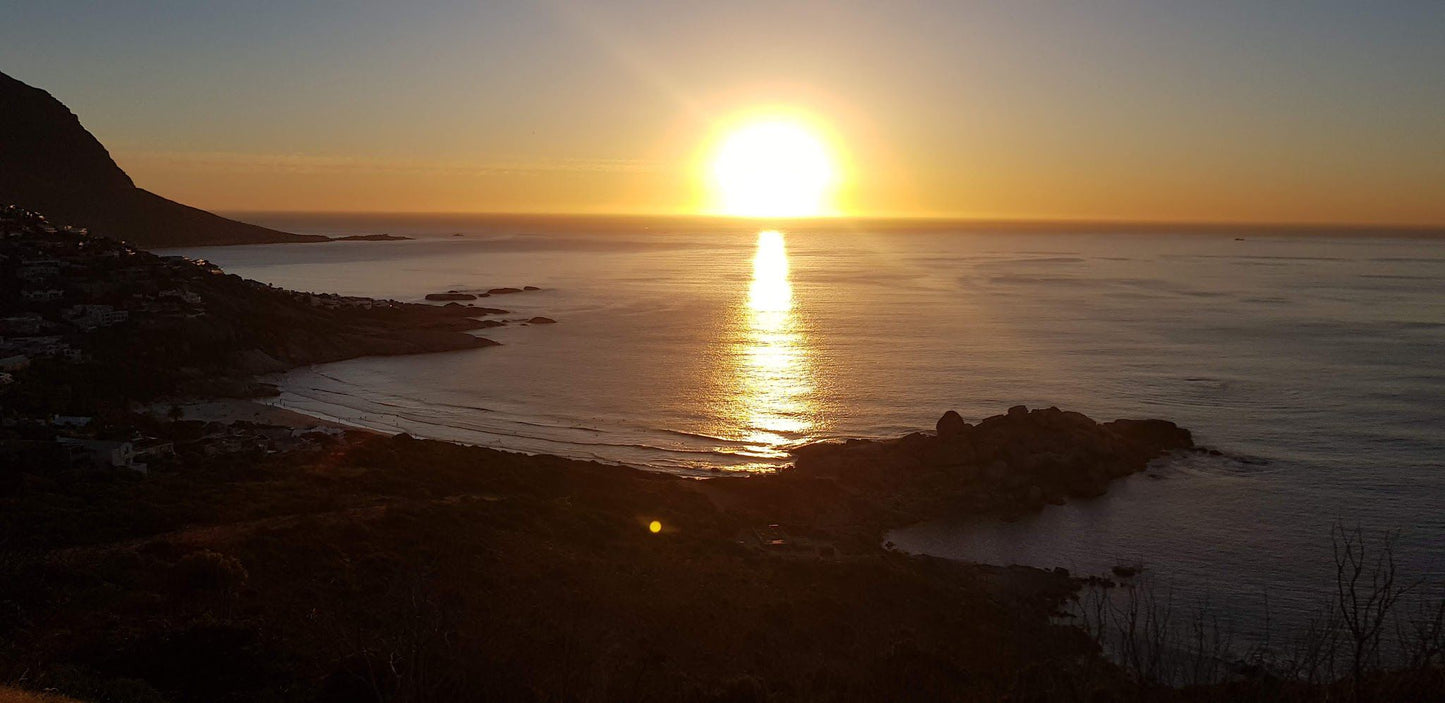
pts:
[76, 307]
[61, 282]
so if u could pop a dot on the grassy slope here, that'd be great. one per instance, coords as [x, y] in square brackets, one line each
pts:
[429, 571]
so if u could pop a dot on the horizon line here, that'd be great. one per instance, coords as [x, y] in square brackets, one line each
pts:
[1021, 222]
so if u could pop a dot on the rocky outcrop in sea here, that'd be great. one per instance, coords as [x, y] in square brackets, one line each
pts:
[1006, 464]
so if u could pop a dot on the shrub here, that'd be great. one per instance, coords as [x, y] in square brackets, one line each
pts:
[206, 570]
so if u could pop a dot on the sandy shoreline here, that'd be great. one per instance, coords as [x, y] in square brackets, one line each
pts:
[230, 410]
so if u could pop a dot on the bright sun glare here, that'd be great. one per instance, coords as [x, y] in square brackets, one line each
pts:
[773, 168]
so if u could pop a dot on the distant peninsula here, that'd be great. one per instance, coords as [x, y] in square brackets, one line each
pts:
[50, 163]
[371, 238]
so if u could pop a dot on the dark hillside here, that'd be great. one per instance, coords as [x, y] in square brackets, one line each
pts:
[50, 163]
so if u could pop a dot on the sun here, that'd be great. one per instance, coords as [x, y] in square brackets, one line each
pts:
[774, 167]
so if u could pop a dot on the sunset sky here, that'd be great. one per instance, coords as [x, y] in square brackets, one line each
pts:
[1214, 111]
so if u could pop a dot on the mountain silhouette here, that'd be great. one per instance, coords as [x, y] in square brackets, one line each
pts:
[49, 163]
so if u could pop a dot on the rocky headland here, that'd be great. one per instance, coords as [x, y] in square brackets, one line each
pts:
[1006, 464]
[1004, 467]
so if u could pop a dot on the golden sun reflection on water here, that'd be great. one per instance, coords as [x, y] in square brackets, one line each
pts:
[773, 390]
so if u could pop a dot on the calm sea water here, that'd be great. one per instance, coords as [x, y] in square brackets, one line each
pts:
[1316, 363]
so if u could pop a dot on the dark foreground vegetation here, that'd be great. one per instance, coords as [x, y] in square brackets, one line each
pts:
[400, 569]
[1379, 637]
[397, 569]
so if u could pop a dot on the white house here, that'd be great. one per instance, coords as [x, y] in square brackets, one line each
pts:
[49, 345]
[104, 454]
[92, 316]
[182, 294]
[27, 323]
[39, 270]
[11, 364]
[42, 295]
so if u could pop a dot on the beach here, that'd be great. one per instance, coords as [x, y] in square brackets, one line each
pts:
[229, 410]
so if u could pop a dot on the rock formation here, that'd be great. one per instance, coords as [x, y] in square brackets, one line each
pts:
[1006, 464]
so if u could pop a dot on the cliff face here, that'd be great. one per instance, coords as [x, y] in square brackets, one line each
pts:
[50, 163]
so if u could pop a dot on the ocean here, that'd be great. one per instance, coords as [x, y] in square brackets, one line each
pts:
[1314, 361]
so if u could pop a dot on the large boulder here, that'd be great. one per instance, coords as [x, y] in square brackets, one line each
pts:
[951, 424]
[1152, 433]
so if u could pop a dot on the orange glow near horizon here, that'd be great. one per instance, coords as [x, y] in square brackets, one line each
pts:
[822, 159]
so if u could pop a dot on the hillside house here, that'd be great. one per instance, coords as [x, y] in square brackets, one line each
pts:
[28, 323]
[42, 295]
[102, 454]
[90, 317]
